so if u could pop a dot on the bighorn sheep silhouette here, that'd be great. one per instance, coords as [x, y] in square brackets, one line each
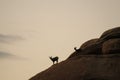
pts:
[53, 59]
[77, 50]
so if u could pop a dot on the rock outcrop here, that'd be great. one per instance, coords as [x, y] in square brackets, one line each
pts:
[90, 67]
[100, 46]
[111, 46]
[89, 43]
[96, 59]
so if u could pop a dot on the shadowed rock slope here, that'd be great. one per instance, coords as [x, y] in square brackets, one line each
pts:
[96, 59]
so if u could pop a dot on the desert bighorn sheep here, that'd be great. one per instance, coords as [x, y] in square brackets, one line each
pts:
[77, 50]
[53, 59]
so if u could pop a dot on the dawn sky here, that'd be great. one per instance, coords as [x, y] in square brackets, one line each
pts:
[33, 30]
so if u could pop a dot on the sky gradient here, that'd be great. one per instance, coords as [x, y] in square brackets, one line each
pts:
[33, 30]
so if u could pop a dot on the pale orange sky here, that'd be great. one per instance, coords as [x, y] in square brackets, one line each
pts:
[33, 30]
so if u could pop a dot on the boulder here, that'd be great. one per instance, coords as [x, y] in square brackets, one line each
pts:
[90, 47]
[88, 43]
[110, 34]
[111, 46]
[94, 49]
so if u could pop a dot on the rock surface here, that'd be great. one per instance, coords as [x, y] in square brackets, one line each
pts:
[84, 68]
[96, 59]
[111, 46]
[110, 34]
[89, 43]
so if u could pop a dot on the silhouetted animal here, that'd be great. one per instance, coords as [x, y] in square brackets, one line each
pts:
[75, 48]
[53, 59]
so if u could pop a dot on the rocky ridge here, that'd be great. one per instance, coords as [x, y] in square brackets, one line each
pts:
[96, 59]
